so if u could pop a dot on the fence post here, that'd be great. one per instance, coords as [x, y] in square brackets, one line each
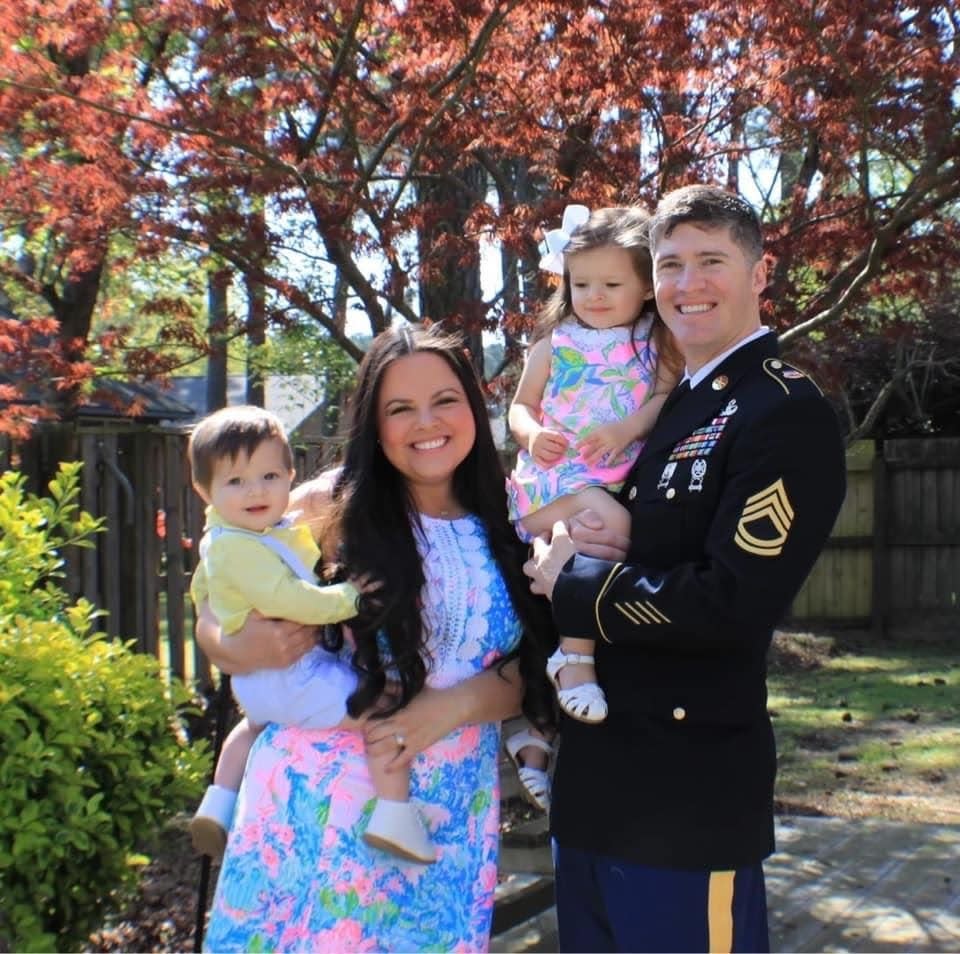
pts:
[175, 574]
[115, 571]
[880, 602]
[148, 466]
[89, 501]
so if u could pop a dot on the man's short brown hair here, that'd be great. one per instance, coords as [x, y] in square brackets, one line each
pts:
[708, 207]
[227, 433]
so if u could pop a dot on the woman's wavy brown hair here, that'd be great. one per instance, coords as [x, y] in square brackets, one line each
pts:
[375, 515]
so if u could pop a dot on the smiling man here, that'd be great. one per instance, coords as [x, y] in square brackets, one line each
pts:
[662, 815]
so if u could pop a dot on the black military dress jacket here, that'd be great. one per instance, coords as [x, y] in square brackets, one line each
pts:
[732, 499]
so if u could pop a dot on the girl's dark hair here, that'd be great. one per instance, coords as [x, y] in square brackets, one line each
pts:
[374, 516]
[626, 227]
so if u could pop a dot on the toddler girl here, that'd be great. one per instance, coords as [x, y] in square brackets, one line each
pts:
[599, 368]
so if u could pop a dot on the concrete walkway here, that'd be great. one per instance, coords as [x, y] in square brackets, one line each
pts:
[834, 885]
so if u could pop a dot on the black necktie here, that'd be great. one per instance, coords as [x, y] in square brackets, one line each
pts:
[675, 395]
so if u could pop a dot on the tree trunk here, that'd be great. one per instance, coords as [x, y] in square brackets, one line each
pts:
[450, 291]
[256, 338]
[217, 285]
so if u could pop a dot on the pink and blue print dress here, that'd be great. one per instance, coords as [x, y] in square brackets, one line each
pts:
[297, 875]
[595, 378]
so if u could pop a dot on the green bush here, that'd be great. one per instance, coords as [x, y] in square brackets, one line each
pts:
[92, 757]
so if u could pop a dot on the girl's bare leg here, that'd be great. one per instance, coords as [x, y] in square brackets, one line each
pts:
[615, 517]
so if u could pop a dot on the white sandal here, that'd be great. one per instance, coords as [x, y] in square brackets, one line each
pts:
[534, 782]
[586, 702]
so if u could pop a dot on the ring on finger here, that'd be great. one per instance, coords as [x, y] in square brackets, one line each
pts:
[401, 740]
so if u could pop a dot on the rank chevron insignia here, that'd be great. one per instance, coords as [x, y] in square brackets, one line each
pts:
[770, 504]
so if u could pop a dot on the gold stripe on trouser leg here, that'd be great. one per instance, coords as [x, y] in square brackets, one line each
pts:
[720, 911]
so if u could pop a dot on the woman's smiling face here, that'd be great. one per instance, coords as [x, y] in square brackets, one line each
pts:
[425, 422]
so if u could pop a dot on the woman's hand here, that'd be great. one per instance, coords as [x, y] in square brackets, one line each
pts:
[548, 559]
[261, 643]
[426, 719]
[490, 696]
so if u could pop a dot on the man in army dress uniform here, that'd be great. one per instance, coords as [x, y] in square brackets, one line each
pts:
[663, 813]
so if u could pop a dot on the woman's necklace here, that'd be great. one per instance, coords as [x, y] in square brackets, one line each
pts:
[452, 512]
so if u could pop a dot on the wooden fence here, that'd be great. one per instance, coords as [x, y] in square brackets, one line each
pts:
[893, 559]
[892, 563]
[138, 478]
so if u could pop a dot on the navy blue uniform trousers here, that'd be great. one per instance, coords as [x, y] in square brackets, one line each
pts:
[605, 904]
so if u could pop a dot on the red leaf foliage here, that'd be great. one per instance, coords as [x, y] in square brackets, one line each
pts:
[36, 365]
[290, 139]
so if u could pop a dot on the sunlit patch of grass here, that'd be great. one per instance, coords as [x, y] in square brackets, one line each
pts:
[872, 720]
[930, 750]
[868, 664]
[189, 649]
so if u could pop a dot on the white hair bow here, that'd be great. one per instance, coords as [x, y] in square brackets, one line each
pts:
[558, 239]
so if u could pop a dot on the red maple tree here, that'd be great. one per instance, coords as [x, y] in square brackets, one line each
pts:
[317, 146]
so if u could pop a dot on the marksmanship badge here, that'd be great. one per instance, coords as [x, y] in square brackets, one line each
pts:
[697, 472]
[667, 475]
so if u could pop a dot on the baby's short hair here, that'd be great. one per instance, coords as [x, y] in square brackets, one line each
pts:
[227, 432]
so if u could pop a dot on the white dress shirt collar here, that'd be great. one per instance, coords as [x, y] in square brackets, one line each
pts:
[703, 372]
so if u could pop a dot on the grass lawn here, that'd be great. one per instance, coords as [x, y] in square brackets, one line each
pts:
[190, 650]
[866, 727]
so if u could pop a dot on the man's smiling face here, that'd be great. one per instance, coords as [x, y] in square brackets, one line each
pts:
[707, 290]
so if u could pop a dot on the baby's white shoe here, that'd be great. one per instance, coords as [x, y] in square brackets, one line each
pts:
[397, 827]
[209, 826]
[534, 782]
[586, 702]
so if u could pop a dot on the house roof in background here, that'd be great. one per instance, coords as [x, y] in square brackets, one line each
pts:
[113, 398]
[291, 397]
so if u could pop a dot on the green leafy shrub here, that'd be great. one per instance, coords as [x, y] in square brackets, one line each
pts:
[33, 532]
[92, 758]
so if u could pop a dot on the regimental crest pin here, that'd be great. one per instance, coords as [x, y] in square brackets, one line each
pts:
[731, 408]
[667, 475]
[697, 472]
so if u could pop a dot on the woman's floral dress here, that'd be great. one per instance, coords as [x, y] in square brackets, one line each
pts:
[297, 875]
[595, 378]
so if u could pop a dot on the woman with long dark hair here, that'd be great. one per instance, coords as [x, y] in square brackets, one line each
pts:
[442, 653]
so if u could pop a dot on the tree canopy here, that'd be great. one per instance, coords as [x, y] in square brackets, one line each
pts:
[361, 153]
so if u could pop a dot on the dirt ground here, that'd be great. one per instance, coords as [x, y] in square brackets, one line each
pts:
[162, 916]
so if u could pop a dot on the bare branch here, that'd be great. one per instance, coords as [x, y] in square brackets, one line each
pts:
[336, 72]
[912, 208]
[268, 159]
[463, 70]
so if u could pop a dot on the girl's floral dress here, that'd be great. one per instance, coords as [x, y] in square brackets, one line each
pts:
[595, 378]
[297, 875]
